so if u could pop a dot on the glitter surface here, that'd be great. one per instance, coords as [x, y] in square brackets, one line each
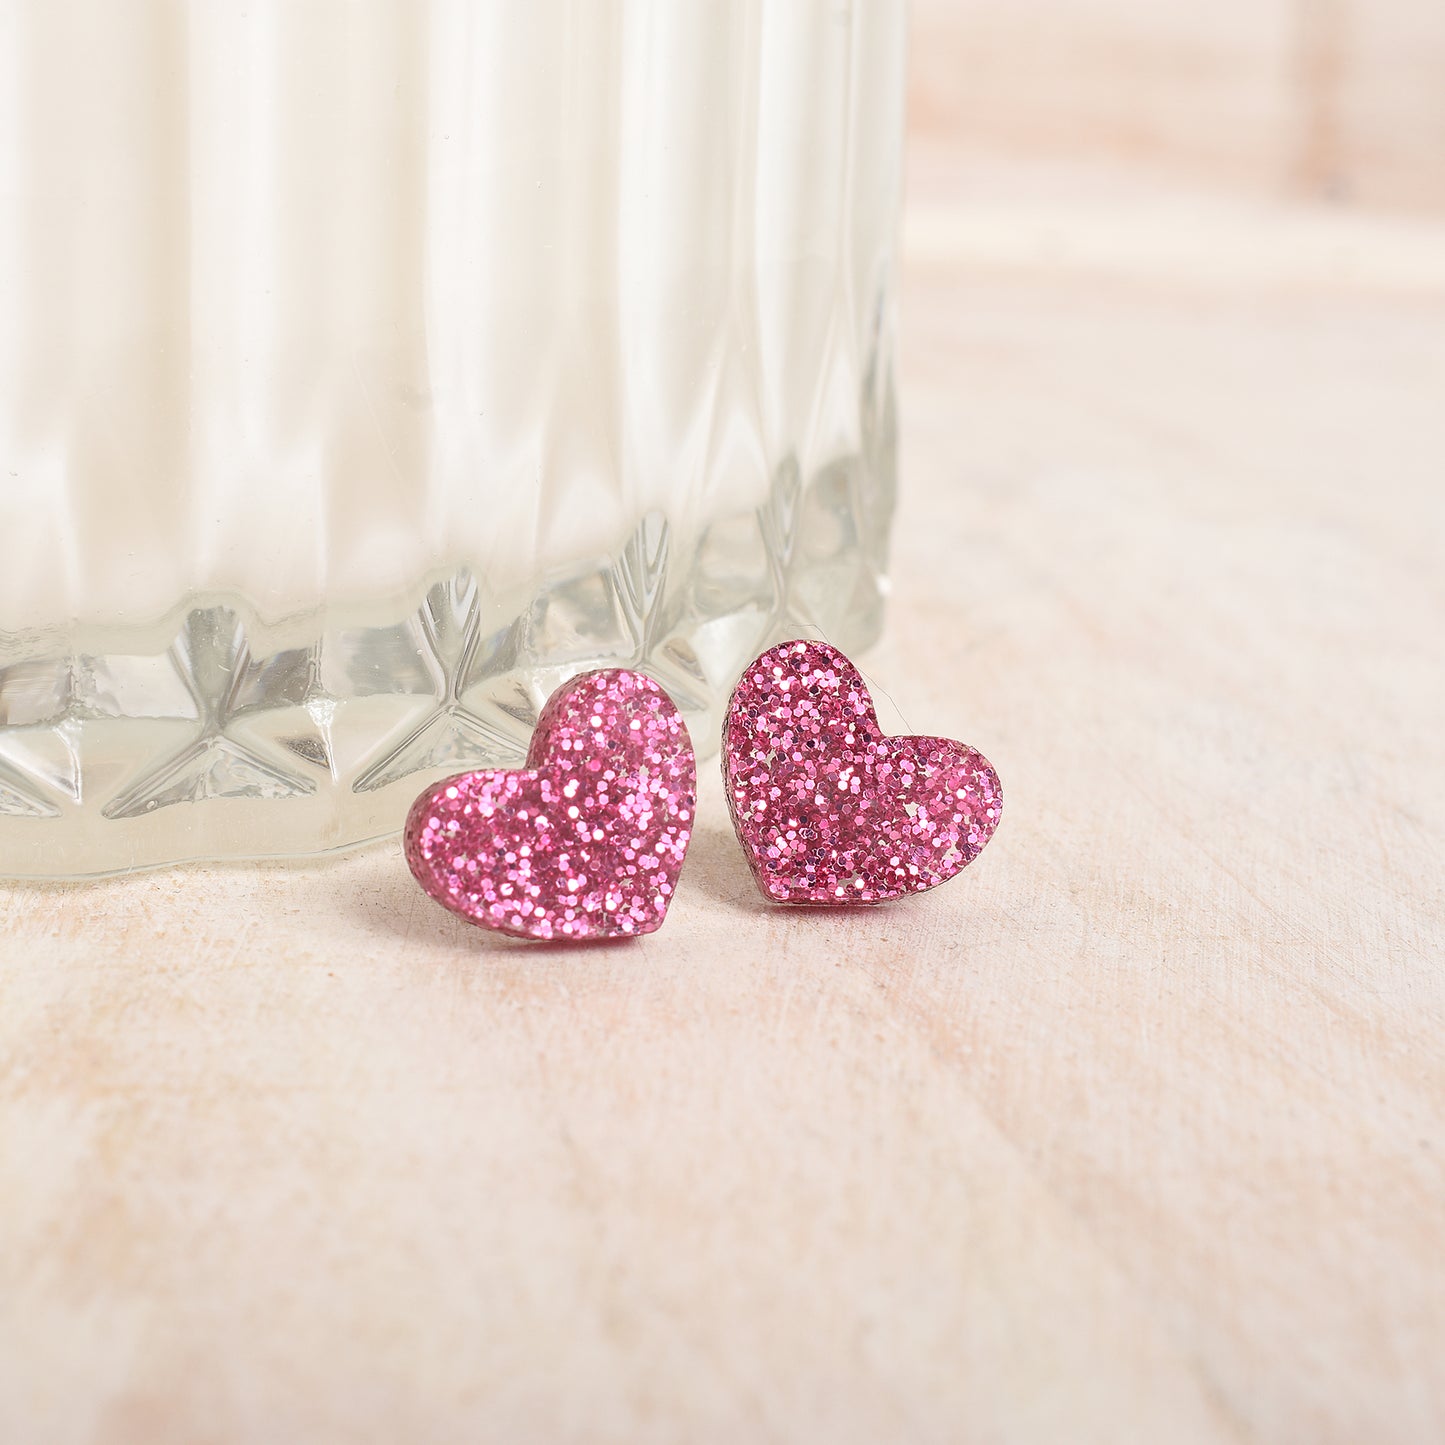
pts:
[828, 809]
[587, 840]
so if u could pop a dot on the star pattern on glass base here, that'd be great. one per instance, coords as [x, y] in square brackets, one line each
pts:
[213, 661]
[446, 633]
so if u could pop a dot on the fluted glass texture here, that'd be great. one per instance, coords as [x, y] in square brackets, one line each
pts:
[369, 366]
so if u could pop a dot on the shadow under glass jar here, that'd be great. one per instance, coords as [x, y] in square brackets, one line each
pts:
[367, 367]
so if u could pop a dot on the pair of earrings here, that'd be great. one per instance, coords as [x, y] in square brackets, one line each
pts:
[587, 840]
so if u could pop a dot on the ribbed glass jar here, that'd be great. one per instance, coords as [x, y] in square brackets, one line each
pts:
[369, 366]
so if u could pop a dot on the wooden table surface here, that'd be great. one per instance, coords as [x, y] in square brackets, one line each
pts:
[1136, 1132]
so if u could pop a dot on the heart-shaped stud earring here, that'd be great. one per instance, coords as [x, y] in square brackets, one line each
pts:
[585, 841]
[828, 809]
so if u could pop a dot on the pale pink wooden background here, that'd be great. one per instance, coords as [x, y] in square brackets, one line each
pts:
[1134, 1133]
[1332, 98]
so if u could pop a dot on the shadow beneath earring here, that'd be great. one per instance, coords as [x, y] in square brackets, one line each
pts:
[716, 867]
[392, 905]
[396, 907]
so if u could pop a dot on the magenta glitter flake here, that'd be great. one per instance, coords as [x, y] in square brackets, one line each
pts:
[828, 809]
[587, 840]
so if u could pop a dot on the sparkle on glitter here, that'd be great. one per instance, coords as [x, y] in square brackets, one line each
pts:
[587, 840]
[828, 809]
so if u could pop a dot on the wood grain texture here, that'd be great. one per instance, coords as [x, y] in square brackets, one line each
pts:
[1136, 1132]
[1336, 99]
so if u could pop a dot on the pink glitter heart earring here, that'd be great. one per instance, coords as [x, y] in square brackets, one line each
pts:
[584, 842]
[827, 808]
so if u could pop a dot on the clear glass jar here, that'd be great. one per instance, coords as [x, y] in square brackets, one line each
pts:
[369, 366]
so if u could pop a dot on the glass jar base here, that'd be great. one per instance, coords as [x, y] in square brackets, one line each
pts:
[216, 734]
